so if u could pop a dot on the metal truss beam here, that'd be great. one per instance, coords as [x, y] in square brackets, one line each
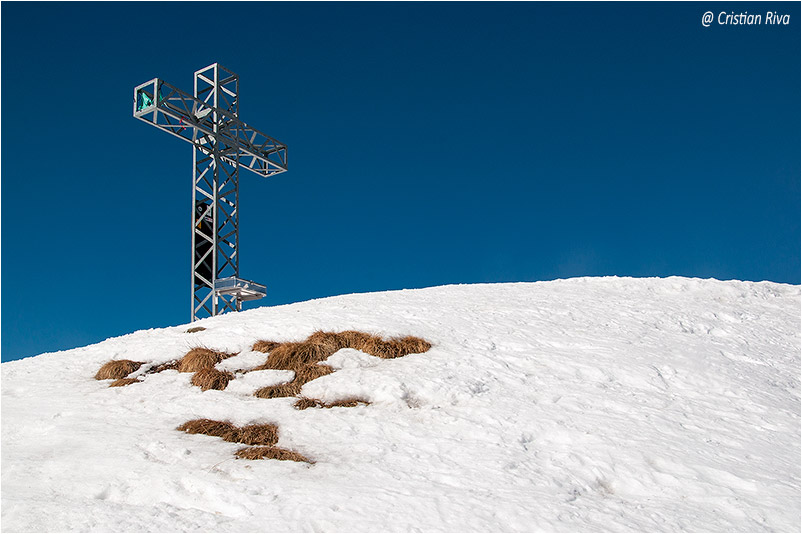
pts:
[215, 237]
[203, 124]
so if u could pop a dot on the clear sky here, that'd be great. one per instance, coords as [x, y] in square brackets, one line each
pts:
[429, 144]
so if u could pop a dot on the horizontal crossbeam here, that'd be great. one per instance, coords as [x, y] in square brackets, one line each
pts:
[209, 128]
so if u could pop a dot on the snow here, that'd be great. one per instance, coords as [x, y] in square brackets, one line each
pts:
[588, 404]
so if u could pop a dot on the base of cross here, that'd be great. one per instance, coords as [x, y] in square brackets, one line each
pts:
[243, 290]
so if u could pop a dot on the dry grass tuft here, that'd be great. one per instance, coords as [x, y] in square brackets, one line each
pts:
[304, 374]
[320, 345]
[265, 346]
[303, 403]
[280, 355]
[164, 367]
[294, 356]
[273, 453]
[376, 346]
[197, 359]
[258, 434]
[195, 329]
[353, 339]
[120, 382]
[307, 373]
[211, 378]
[288, 389]
[262, 439]
[201, 358]
[396, 347]
[266, 434]
[350, 402]
[328, 341]
[209, 427]
[116, 369]
[412, 345]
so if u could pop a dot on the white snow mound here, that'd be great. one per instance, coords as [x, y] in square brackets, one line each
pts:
[588, 404]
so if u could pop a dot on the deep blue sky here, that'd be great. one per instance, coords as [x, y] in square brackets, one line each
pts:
[429, 144]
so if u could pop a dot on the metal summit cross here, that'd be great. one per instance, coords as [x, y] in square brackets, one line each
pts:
[222, 144]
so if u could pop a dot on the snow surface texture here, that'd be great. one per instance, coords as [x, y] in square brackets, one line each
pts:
[589, 404]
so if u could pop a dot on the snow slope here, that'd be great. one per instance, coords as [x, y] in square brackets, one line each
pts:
[589, 404]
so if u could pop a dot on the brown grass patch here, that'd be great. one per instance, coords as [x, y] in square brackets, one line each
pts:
[211, 378]
[120, 382]
[304, 374]
[303, 356]
[288, 389]
[116, 369]
[376, 346]
[273, 453]
[307, 373]
[320, 345]
[265, 346]
[164, 367]
[293, 356]
[283, 353]
[353, 339]
[303, 403]
[412, 345]
[201, 358]
[329, 341]
[266, 434]
[262, 439]
[347, 403]
[209, 427]
[396, 347]
[195, 329]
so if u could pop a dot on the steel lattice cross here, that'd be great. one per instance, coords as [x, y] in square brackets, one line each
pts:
[222, 144]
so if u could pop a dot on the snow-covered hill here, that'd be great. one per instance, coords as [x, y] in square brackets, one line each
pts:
[589, 404]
